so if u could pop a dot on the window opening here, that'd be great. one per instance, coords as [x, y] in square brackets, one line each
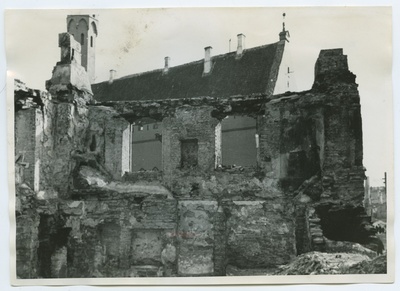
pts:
[92, 146]
[239, 141]
[146, 146]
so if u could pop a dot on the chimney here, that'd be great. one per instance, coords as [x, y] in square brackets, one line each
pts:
[112, 76]
[166, 65]
[241, 47]
[207, 60]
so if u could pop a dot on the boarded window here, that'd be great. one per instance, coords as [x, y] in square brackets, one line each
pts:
[189, 153]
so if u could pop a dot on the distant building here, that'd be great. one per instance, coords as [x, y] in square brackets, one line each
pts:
[375, 203]
[242, 72]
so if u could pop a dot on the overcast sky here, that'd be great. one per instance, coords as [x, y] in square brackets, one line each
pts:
[132, 41]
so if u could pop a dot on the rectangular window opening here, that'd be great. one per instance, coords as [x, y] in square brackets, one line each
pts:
[146, 152]
[239, 141]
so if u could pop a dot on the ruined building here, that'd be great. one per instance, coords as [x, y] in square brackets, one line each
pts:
[82, 211]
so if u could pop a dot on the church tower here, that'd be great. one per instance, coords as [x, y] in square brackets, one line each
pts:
[84, 30]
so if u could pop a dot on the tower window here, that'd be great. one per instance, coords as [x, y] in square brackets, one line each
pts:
[82, 39]
[91, 41]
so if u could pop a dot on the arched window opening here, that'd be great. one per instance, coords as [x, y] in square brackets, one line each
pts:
[71, 25]
[94, 28]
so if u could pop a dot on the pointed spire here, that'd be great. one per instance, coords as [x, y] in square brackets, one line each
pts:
[283, 23]
[284, 33]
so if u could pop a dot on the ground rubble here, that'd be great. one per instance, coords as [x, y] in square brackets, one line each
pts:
[318, 263]
[321, 263]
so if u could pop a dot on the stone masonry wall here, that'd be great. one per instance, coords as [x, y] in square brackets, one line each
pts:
[132, 237]
[260, 234]
[196, 238]
[189, 123]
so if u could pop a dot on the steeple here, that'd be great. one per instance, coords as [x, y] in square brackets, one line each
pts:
[84, 30]
[284, 34]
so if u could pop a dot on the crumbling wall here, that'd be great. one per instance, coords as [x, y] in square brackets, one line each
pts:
[290, 141]
[129, 237]
[27, 240]
[27, 146]
[69, 137]
[189, 124]
[260, 234]
[108, 141]
[196, 217]
[195, 234]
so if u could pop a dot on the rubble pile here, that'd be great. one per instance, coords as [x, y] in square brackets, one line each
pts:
[375, 266]
[316, 263]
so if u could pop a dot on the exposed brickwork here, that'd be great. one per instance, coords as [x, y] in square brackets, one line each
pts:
[260, 234]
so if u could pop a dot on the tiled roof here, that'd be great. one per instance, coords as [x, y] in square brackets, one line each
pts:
[254, 72]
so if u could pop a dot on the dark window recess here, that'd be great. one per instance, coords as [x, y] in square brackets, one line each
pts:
[53, 235]
[92, 146]
[91, 41]
[189, 153]
[82, 39]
